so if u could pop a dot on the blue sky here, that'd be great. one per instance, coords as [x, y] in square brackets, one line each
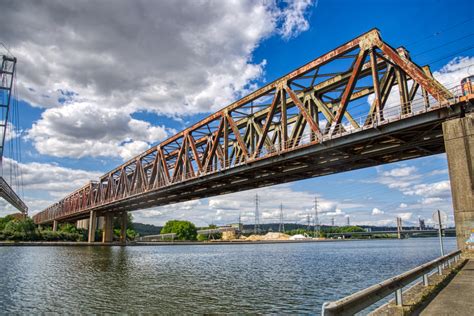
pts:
[135, 74]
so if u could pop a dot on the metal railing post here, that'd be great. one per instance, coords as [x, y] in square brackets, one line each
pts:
[440, 269]
[399, 297]
[425, 280]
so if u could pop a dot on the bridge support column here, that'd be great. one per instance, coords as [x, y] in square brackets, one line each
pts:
[123, 227]
[55, 226]
[108, 232]
[92, 226]
[459, 143]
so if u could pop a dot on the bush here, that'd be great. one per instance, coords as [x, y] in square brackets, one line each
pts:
[201, 237]
[184, 230]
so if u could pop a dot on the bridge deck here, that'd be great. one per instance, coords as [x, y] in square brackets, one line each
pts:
[456, 297]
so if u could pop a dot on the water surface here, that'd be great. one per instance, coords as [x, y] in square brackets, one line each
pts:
[258, 278]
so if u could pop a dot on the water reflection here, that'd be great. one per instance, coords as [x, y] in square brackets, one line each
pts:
[272, 278]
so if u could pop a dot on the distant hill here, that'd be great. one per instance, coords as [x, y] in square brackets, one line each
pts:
[146, 229]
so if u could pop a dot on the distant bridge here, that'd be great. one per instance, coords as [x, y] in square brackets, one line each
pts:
[362, 104]
[410, 232]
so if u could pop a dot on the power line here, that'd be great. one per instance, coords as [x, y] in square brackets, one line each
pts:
[438, 33]
[442, 45]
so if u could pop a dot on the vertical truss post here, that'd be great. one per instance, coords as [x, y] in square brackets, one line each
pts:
[283, 121]
[375, 79]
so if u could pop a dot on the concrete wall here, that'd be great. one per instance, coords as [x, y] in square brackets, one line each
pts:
[459, 143]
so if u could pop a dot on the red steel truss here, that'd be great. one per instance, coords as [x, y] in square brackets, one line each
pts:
[347, 90]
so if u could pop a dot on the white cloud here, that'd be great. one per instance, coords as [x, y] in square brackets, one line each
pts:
[436, 189]
[376, 211]
[403, 205]
[431, 200]
[80, 129]
[143, 56]
[400, 172]
[294, 20]
[405, 216]
[453, 72]
[336, 212]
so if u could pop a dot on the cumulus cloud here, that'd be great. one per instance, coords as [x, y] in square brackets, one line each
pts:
[80, 129]
[436, 189]
[92, 65]
[376, 211]
[403, 205]
[399, 178]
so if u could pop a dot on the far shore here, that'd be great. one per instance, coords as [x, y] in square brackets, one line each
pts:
[163, 243]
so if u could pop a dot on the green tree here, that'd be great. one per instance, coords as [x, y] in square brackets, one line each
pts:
[184, 230]
[5, 220]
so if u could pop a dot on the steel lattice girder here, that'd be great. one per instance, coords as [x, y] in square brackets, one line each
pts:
[303, 108]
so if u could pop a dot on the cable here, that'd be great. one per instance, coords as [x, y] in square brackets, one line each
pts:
[439, 46]
[439, 32]
[450, 55]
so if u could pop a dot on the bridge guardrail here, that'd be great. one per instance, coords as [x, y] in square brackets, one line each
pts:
[358, 301]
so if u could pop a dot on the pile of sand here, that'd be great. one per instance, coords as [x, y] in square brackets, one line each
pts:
[268, 236]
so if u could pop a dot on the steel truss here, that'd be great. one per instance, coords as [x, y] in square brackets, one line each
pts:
[312, 105]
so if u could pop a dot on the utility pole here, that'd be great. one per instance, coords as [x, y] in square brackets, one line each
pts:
[316, 218]
[281, 227]
[308, 218]
[256, 226]
[348, 220]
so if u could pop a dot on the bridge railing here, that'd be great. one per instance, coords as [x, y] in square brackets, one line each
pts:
[365, 298]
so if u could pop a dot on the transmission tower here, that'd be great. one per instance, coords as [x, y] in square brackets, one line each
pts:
[281, 227]
[348, 219]
[332, 222]
[316, 218]
[256, 226]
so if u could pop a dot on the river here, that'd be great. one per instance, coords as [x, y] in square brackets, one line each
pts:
[250, 278]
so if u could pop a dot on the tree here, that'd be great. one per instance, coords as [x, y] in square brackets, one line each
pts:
[184, 230]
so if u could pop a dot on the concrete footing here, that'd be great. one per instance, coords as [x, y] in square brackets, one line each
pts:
[459, 144]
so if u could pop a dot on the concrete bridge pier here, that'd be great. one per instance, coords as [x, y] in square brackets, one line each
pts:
[55, 226]
[108, 231]
[459, 143]
[92, 226]
[123, 227]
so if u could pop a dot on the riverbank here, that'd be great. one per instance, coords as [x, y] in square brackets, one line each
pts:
[164, 243]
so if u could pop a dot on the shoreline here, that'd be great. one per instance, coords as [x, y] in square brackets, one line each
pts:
[168, 243]
[159, 243]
